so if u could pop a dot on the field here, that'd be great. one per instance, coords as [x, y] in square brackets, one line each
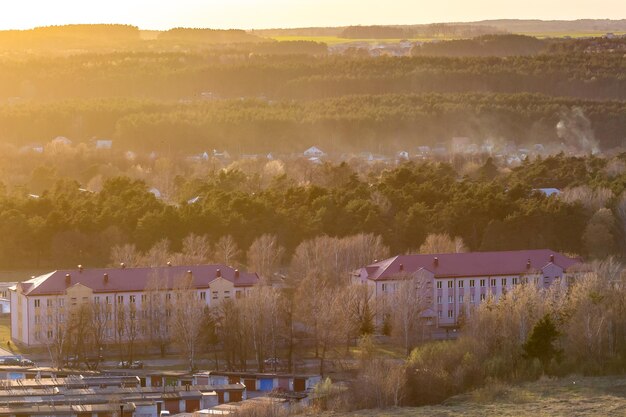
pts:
[335, 40]
[575, 396]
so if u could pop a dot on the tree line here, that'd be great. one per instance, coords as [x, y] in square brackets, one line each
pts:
[250, 72]
[489, 208]
[375, 123]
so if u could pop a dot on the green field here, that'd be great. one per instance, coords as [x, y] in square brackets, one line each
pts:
[574, 396]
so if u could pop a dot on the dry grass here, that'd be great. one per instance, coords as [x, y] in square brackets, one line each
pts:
[575, 396]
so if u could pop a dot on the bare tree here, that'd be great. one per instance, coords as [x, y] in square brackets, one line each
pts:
[126, 254]
[226, 251]
[156, 313]
[407, 303]
[442, 243]
[158, 255]
[196, 249]
[188, 312]
[264, 256]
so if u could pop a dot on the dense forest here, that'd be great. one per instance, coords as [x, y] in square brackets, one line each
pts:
[488, 207]
[346, 124]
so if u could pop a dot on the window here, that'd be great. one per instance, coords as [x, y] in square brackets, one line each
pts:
[384, 287]
[504, 282]
[472, 283]
[450, 299]
[37, 303]
[49, 302]
[438, 299]
[203, 295]
[37, 319]
[438, 285]
[482, 297]
[143, 298]
[439, 313]
[450, 314]
[96, 300]
[215, 295]
[493, 282]
[461, 283]
[132, 298]
[460, 299]
[120, 299]
[49, 334]
[108, 300]
[73, 300]
[482, 283]
[61, 302]
[450, 284]
[472, 298]
[168, 296]
[515, 281]
[226, 294]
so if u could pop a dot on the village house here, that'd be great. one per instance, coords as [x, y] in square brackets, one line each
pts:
[41, 301]
[451, 283]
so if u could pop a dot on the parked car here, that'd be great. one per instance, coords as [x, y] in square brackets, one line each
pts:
[27, 362]
[130, 365]
[272, 361]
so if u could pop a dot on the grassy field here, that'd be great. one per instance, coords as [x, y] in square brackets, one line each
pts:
[563, 397]
[334, 40]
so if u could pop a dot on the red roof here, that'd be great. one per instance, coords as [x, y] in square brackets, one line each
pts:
[132, 279]
[471, 264]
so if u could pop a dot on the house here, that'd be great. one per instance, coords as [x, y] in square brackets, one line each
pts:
[36, 304]
[104, 144]
[314, 152]
[451, 283]
[548, 191]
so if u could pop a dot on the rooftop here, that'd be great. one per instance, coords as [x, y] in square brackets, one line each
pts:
[470, 264]
[107, 280]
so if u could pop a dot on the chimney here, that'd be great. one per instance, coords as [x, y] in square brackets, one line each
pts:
[68, 279]
[401, 267]
[169, 263]
[552, 258]
[528, 264]
[80, 269]
[218, 273]
[122, 265]
[106, 278]
[436, 261]
[236, 273]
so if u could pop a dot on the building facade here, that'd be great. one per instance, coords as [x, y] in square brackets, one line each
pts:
[451, 283]
[41, 304]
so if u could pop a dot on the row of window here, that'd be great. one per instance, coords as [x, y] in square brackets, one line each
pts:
[461, 299]
[493, 282]
[131, 298]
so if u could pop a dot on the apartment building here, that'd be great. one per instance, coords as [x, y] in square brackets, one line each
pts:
[40, 303]
[450, 283]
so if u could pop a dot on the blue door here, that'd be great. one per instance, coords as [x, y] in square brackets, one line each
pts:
[266, 384]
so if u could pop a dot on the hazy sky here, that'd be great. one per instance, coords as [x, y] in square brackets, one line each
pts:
[247, 14]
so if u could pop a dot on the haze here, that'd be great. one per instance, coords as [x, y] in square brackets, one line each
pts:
[251, 14]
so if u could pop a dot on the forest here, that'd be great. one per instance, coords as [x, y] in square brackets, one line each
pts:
[489, 207]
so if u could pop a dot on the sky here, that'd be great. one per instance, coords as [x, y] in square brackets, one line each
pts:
[258, 14]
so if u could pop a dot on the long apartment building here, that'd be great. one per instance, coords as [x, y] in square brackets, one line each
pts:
[40, 302]
[449, 283]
